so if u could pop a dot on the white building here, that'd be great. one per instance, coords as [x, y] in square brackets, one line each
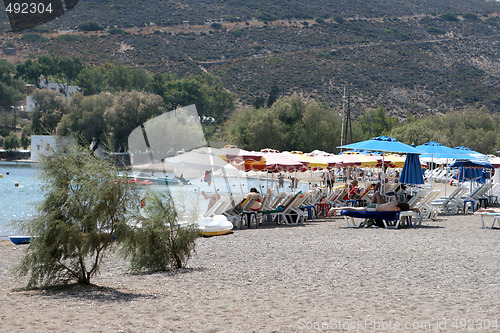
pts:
[30, 102]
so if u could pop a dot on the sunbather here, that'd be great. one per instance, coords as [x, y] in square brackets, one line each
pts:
[212, 199]
[258, 202]
[392, 206]
[489, 210]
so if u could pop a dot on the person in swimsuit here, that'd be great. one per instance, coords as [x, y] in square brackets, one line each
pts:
[212, 199]
[256, 205]
[392, 206]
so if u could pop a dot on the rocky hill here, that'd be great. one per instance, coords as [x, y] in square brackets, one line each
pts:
[407, 56]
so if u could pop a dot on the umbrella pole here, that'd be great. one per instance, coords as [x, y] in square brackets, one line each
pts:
[445, 179]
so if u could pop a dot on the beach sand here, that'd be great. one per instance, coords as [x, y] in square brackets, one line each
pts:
[319, 276]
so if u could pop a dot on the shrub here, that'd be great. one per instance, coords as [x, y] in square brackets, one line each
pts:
[160, 242]
[470, 17]
[319, 20]
[90, 26]
[84, 209]
[449, 17]
[71, 38]
[115, 31]
[34, 37]
[435, 31]
[339, 19]
[11, 141]
[216, 26]
[265, 17]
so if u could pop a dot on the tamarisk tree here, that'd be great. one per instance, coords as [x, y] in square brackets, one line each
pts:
[84, 210]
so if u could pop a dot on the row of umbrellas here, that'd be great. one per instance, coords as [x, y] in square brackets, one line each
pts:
[232, 159]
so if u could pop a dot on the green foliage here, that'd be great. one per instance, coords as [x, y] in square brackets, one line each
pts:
[449, 17]
[289, 124]
[339, 19]
[50, 108]
[471, 17]
[116, 31]
[129, 110]
[85, 119]
[473, 128]
[4, 132]
[160, 242]
[319, 20]
[124, 78]
[377, 122]
[92, 80]
[205, 91]
[216, 26]
[34, 37]
[29, 71]
[11, 142]
[84, 208]
[90, 26]
[435, 31]
[71, 38]
[265, 17]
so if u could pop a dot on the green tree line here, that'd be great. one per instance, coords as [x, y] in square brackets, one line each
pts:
[116, 98]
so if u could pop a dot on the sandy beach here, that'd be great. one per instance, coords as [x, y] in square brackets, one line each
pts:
[320, 276]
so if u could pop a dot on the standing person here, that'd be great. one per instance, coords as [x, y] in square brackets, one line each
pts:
[281, 180]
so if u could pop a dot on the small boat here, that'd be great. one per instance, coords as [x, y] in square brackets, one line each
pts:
[19, 240]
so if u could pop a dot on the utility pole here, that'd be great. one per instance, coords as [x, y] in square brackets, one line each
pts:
[348, 126]
[343, 118]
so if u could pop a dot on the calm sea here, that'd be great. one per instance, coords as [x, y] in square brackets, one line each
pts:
[18, 203]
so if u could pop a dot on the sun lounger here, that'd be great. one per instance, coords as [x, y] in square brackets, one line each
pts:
[392, 220]
[494, 218]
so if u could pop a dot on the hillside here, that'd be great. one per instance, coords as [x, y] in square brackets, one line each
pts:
[404, 56]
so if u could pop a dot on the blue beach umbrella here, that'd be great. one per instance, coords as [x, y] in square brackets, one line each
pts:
[471, 164]
[435, 149]
[412, 171]
[383, 143]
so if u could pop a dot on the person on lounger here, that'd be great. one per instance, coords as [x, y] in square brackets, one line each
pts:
[258, 203]
[212, 198]
[377, 204]
[392, 206]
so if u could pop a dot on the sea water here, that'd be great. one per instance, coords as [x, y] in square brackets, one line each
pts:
[19, 203]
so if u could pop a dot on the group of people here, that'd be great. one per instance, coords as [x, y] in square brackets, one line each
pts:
[377, 201]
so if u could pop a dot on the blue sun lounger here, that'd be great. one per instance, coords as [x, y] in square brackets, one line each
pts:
[392, 220]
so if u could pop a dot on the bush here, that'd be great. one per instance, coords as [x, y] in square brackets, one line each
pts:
[90, 26]
[115, 31]
[470, 17]
[84, 209]
[11, 142]
[71, 38]
[160, 242]
[4, 132]
[216, 26]
[435, 31]
[265, 17]
[339, 19]
[34, 37]
[449, 17]
[319, 20]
